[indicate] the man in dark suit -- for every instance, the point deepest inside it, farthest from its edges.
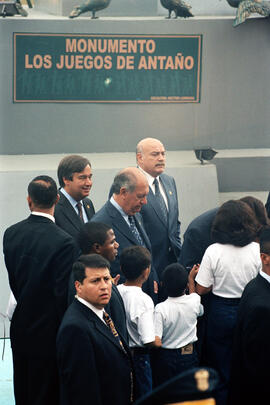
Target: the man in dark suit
(99, 238)
(160, 214)
(121, 213)
(197, 238)
(38, 257)
(267, 205)
(74, 208)
(94, 361)
(249, 382)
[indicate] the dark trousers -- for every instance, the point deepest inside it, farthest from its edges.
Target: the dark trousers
(170, 362)
(143, 371)
(220, 328)
(35, 380)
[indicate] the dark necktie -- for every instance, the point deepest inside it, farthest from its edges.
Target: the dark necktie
(109, 322)
(160, 201)
(134, 230)
(79, 206)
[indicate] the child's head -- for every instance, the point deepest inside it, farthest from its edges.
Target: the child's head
(134, 260)
(175, 279)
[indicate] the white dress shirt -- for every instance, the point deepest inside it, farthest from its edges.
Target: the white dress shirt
(139, 309)
(176, 320)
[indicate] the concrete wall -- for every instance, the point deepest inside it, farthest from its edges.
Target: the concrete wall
(235, 94)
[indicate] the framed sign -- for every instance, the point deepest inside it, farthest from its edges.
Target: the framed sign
(107, 68)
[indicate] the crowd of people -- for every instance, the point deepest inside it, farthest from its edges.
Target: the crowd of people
(108, 306)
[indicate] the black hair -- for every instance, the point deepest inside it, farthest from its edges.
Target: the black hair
(259, 211)
(69, 165)
(134, 260)
(235, 224)
(92, 261)
(265, 240)
(92, 232)
(175, 279)
(43, 191)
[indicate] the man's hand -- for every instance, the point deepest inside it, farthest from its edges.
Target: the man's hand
(155, 287)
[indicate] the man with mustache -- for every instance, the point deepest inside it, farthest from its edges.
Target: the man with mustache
(160, 214)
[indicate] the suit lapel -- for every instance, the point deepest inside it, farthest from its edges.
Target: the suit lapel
(99, 325)
(69, 212)
(170, 197)
(89, 208)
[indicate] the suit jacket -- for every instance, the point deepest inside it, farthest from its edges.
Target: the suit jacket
(67, 218)
(93, 367)
(164, 237)
(109, 215)
(251, 350)
(267, 205)
(38, 257)
(197, 238)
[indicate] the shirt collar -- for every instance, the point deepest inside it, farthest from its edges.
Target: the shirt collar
(98, 312)
(150, 178)
(117, 206)
(70, 199)
(43, 214)
(264, 275)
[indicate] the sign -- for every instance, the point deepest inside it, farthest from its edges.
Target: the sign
(105, 68)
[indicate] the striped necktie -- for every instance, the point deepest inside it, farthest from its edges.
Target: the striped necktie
(79, 206)
(160, 201)
(109, 322)
(134, 230)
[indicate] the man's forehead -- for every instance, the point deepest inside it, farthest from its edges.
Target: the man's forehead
(153, 146)
(110, 234)
(94, 272)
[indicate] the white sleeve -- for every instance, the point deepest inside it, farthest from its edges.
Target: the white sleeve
(158, 320)
(197, 304)
(145, 325)
(205, 276)
(12, 303)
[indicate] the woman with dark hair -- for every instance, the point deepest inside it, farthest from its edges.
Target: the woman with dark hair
(259, 210)
(227, 266)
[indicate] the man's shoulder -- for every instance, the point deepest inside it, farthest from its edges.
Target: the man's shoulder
(105, 212)
(166, 177)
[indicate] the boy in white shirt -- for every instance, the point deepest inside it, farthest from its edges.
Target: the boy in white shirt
(135, 262)
(176, 325)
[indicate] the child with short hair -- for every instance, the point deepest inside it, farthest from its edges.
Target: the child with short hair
(135, 262)
(176, 325)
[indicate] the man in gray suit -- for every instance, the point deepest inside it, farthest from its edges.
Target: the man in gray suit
(122, 214)
(160, 214)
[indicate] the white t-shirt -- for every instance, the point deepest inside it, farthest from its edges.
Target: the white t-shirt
(139, 314)
(176, 320)
(229, 268)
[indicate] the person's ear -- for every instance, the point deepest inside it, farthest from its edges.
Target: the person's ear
(96, 247)
(30, 202)
(57, 198)
(123, 192)
(77, 286)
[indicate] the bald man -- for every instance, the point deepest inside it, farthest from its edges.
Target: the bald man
(129, 194)
(160, 215)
